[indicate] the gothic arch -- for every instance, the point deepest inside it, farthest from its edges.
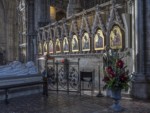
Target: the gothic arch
(62, 33)
(49, 33)
(98, 22)
(74, 28)
(85, 26)
(57, 32)
(114, 19)
(52, 33)
(64, 28)
(46, 34)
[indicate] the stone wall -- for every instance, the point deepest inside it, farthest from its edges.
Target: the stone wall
(141, 83)
(147, 41)
(8, 34)
(90, 64)
(86, 64)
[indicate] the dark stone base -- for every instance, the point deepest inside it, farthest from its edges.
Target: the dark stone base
(141, 87)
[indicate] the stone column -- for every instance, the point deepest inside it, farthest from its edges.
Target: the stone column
(30, 32)
(141, 85)
(146, 35)
(44, 10)
(74, 6)
(147, 44)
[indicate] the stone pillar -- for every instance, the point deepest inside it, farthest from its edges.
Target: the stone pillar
(141, 85)
(146, 35)
(127, 22)
(3, 24)
(30, 30)
(147, 44)
(74, 6)
(44, 10)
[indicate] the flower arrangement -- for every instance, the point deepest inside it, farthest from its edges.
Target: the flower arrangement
(116, 76)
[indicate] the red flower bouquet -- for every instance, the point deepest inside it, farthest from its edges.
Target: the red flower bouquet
(115, 72)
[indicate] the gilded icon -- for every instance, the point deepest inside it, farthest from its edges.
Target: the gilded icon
(65, 45)
(58, 49)
(40, 48)
(85, 42)
(116, 38)
(99, 40)
(75, 46)
(50, 46)
(45, 48)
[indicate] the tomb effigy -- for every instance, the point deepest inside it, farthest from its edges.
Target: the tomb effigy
(16, 68)
(19, 73)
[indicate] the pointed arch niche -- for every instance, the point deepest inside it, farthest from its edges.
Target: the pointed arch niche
(45, 48)
(57, 46)
(99, 40)
(75, 44)
(40, 48)
(116, 37)
(85, 42)
(51, 47)
(65, 45)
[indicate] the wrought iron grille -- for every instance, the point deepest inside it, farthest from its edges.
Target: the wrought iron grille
(63, 76)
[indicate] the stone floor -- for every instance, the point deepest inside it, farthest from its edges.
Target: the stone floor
(63, 103)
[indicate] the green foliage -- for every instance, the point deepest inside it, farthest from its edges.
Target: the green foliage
(116, 76)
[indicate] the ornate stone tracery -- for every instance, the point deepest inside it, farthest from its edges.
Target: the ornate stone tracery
(73, 28)
(43, 35)
(114, 18)
(78, 24)
(85, 26)
(98, 22)
(65, 30)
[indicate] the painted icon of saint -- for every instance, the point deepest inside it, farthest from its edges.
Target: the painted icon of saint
(116, 38)
(58, 46)
(65, 45)
(50, 46)
(45, 48)
(85, 42)
(75, 44)
(99, 42)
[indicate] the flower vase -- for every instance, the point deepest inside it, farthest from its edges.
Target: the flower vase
(116, 95)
